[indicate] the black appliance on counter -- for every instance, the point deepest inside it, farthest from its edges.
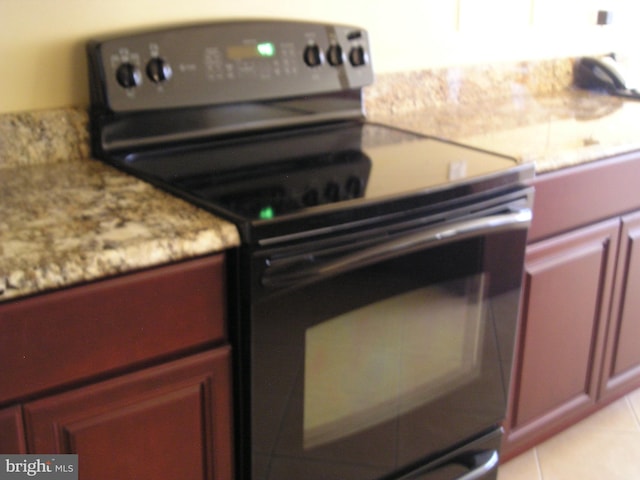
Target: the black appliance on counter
(602, 75)
(375, 293)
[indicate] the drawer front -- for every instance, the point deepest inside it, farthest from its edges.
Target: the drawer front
(71, 335)
(577, 196)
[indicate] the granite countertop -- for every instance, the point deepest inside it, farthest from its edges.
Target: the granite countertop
(553, 131)
(529, 110)
(66, 218)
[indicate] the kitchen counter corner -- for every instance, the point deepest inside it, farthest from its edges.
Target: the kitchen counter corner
(72, 222)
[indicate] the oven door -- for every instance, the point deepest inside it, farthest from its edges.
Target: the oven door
(378, 357)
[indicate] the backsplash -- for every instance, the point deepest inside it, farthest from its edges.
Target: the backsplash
(44, 136)
(397, 93)
(45, 64)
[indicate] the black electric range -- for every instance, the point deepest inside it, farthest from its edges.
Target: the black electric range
(262, 123)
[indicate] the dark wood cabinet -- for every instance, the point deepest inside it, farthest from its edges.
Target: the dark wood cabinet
(171, 421)
(622, 359)
(12, 438)
(566, 295)
(577, 345)
(68, 336)
(131, 373)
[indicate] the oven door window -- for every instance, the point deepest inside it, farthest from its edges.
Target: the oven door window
(373, 364)
(357, 375)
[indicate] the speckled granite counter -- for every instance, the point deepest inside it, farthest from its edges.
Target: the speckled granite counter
(527, 110)
(66, 219)
(553, 131)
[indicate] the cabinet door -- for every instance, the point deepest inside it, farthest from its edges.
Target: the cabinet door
(11, 431)
(622, 359)
(565, 306)
(171, 421)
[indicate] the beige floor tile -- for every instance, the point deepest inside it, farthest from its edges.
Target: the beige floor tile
(605, 446)
(522, 467)
(591, 454)
(616, 417)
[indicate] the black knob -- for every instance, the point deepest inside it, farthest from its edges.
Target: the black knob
(335, 56)
(128, 75)
(357, 56)
(311, 197)
(332, 192)
(159, 70)
(313, 55)
(353, 187)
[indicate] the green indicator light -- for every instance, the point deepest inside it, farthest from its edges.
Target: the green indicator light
(266, 49)
(266, 213)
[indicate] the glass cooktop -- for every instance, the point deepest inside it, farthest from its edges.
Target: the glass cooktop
(267, 176)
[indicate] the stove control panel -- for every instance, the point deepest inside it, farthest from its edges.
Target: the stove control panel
(226, 62)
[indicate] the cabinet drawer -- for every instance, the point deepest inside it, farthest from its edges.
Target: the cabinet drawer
(71, 335)
(578, 196)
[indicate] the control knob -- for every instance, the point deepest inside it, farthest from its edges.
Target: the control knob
(357, 56)
(332, 192)
(159, 70)
(311, 198)
(128, 75)
(334, 55)
(353, 187)
(313, 55)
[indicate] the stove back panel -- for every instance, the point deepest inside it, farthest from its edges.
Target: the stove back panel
(227, 62)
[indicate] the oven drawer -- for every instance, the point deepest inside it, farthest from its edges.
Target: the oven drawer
(68, 336)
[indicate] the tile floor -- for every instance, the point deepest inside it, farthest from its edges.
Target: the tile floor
(604, 446)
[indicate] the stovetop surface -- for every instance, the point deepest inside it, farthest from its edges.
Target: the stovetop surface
(269, 177)
(262, 122)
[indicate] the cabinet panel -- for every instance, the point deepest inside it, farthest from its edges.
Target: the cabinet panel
(574, 197)
(580, 314)
(11, 431)
(565, 304)
(622, 364)
(171, 421)
(70, 335)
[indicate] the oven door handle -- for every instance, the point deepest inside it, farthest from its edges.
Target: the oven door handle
(288, 274)
(479, 465)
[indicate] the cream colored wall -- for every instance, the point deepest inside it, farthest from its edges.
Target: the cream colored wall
(42, 61)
